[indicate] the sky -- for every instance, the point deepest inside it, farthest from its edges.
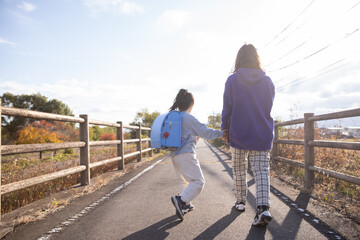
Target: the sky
(112, 58)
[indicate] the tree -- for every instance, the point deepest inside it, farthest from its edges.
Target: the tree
(65, 131)
(214, 121)
(30, 135)
(35, 102)
(145, 118)
(94, 133)
(108, 136)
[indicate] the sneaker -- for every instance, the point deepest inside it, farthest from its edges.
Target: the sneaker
(262, 217)
(239, 206)
(179, 206)
(188, 207)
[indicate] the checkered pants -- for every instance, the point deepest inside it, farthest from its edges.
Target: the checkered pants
(259, 162)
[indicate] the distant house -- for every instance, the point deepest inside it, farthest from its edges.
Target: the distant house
(353, 131)
(335, 130)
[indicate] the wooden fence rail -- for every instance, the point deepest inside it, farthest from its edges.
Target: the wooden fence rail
(309, 143)
(84, 144)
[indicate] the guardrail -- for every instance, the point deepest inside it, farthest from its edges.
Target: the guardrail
(310, 143)
(84, 144)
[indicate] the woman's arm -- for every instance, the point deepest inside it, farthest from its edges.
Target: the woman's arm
(227, 105)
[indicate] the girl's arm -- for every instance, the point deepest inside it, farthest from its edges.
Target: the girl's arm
(227, 106)
(203, 131)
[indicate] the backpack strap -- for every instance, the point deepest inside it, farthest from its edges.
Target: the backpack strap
(185, 141)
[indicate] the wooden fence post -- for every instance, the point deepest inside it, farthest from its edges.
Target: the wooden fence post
(120, 147)
(309, 152)
(275, 149)
(0, 160)
(139, 145)
(151, 151)
(85, 151)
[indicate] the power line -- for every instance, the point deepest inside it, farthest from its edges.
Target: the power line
(290, 23)
(316, 52)
(278, 59)
(296, 29)
(286, 54)
(305, 79)
(354, 6)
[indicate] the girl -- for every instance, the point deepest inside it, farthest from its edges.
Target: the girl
(186, 166)
(248, 99)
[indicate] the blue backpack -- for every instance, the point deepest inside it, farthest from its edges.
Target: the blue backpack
(166, 131)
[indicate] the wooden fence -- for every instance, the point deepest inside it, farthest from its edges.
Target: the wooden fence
(84, 144)
(310, 143)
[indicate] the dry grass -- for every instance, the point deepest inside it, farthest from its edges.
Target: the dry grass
(338, 194)
(24, 166)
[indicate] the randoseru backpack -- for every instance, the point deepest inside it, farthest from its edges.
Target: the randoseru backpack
(166, 131)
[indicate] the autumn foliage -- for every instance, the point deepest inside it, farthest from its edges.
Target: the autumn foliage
(30, 134)
(46, 132)
(108, 136)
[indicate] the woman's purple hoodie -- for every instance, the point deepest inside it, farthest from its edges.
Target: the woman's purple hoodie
(248, 99)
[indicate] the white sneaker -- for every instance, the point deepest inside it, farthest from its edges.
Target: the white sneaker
(239, 206)
(262, 218)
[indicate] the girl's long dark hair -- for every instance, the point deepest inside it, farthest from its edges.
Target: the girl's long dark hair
(247, 57)
(183, 100)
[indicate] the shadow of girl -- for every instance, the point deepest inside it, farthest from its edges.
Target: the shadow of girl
(157, 230)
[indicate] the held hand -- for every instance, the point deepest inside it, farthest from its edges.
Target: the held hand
(225, 135)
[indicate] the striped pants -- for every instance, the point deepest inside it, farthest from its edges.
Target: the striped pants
(260, 165)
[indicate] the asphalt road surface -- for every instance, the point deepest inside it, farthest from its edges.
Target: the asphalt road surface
(143, 210)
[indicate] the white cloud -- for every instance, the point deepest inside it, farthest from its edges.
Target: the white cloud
(3, 41)
(27, 7)
(131, 8)
(104, 101)
(113, 6)
(22, 19)
(173, 20)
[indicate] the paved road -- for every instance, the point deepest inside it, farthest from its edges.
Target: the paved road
(143, 210)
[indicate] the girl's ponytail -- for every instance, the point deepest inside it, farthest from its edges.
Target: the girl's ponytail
(183, 100)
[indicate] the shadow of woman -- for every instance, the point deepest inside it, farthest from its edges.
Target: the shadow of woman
(157, 230)
(256, 233)
(220, 225)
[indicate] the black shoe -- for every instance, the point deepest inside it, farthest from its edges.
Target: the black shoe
(179, 206)
(188, 207)
(262, 217)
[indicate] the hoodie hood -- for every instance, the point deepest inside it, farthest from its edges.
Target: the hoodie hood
(250, 75)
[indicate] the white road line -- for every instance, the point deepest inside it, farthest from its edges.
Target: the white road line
(92, 206)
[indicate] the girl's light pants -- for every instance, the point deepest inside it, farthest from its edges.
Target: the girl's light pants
(188, 170)
(260, 165)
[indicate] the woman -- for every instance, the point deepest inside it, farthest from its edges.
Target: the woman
(246, 120)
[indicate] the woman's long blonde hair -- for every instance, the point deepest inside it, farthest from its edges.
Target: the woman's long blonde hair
(247, 57)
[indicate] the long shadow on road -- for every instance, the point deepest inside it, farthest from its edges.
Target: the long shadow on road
(219, 226)
(295, 216)
(157, 230)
